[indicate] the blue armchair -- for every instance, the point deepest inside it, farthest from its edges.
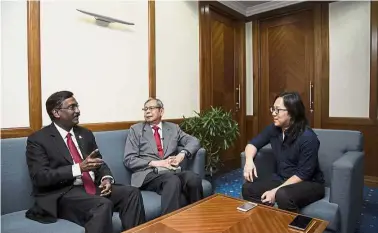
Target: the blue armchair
(341, 158)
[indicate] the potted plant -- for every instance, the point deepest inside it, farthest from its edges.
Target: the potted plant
(217, 132)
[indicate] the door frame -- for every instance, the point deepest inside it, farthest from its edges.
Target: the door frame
(321, 57)
(239, 64)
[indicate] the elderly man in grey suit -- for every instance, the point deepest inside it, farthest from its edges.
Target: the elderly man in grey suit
(154, 144)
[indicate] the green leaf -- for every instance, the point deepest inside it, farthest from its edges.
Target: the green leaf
(216, 130)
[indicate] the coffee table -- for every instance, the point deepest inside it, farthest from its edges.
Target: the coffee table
(218, 213)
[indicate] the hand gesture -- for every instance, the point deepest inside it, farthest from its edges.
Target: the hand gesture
(269, 196)
(91, 162)
(106, 187)
(162, 163)
(176, 160)
(249, 171)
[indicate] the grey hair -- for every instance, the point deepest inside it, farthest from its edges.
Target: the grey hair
(158, 102)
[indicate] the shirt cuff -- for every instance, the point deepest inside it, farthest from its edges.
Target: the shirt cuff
(185, 152)
(108, 177)
(76, 171)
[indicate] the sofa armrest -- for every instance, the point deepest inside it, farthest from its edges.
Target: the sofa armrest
(264, 160)
(347, 183)
(197, 163)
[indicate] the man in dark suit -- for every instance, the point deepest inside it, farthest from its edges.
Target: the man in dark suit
(70, 179)
(155, 144)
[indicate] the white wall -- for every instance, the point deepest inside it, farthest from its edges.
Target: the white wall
(14, 66)
(349, 54)
(105, 67)
(177, 57)
(249, 68)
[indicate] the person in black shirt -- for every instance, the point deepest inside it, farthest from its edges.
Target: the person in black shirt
(298, 181)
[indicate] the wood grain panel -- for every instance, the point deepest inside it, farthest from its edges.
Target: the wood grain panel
(222, 64)
(151, 49)
(34, 75)
(16, 132)
(109, 126)
(249, 121)
(218, 213)
(287, 60)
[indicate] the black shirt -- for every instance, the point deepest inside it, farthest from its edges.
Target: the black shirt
(299, 157)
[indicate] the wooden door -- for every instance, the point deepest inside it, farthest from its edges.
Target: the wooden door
(221, 77)
(287, 61)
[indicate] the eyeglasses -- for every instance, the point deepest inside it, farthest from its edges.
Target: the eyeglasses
(150, 108)
(71, 107)
(276, 110)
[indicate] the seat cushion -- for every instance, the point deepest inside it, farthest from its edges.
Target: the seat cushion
(16, 222)
(152, 209)
(207, 188)
(325, 210)
(152, 204)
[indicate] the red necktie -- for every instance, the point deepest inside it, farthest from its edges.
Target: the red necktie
(158, 140)
(89, 186)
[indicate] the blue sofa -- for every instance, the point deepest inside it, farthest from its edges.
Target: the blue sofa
(341, 159)
(16, 185)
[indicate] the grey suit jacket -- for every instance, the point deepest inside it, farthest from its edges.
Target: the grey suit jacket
(140, 148)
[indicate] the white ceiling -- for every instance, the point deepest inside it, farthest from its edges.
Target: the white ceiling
(249, 8)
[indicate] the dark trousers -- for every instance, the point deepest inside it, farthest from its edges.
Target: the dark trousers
(94, 212)
(173, 187)
(290, 197)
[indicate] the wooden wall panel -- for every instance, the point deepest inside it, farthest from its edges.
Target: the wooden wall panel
(151, 49)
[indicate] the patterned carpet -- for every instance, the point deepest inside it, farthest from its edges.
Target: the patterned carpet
(230, 184)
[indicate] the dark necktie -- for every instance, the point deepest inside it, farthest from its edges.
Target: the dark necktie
(89, 186)
(158, 140)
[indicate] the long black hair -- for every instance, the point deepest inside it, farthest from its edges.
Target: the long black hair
(297, 112)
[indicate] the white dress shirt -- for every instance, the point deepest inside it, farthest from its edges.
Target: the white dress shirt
(76, 171)
(160, 132)
(161, 135)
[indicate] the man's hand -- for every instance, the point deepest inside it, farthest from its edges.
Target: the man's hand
(249, 171)
(269, 196)
(176, 160)
(162, 163)
(106, 187)
(91, 163)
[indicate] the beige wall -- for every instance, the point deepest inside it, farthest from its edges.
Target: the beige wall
(349, 58)
(14, 65)
(249, 68)
(106, 67)
(177, 57)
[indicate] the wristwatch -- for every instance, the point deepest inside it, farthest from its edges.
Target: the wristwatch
(186, 153)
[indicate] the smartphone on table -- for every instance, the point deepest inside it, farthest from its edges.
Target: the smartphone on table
(247, 206)
(301, 223)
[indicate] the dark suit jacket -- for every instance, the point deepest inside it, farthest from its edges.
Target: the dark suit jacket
(50, 165)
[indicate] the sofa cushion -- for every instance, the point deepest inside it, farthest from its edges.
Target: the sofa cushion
(333, 144)
(207, 188)
(325, 210)
(17, 222)
(15, 180)
(112, 145)
(152, 204)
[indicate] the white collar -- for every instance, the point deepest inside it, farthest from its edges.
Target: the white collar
(63, 132)
(158, 125)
